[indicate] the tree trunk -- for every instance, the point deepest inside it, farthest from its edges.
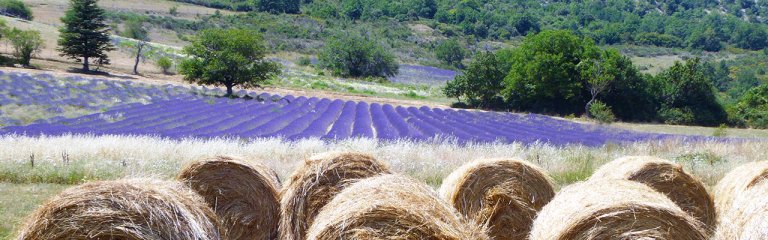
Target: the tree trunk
(229, 90)
(586, 108)
(85, 64)
(138, 55)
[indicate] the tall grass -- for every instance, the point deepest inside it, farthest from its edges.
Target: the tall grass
(76, 159)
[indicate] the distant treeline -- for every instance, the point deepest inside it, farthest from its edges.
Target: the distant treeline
(703, 25)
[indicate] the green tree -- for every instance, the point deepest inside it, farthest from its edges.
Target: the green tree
(450, 52)
(229, 58)
(353, 9)
(134, 29)
(165, 64)
(687, 95)
(597, 74)
(752, 108)
(26, 43)
(15, 8)
(481, 82)
(353, 55)
(543, 76)
(85, 36)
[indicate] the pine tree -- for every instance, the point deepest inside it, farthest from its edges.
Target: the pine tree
(85, 36)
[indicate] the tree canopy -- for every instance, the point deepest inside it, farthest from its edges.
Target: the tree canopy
(229, 58)
(85, 36)
(353, 55)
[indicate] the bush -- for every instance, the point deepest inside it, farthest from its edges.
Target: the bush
(357, 56)
(752, 108)
(601, 112)
(15, 8)
(460, 105)
(165, 64)
(677, 116)
(450, 53)
(304, 61)
(26, 43)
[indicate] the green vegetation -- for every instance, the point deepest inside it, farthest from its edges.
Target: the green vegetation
(26, 43)
(85, 36)
(450, 53)
(15, 8)
(752, 108)
(165, 64)
(558, 72)
(272, 6)
(481, 82)
(228, 58)
(353, 55)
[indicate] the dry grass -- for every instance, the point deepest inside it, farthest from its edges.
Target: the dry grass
(746, 219)
(391, 207)
(314, 183)
(502, 194)
(244, 196)
(665, 177)
(614, 209)
(111, 157)
(123, 209)
(738, 180)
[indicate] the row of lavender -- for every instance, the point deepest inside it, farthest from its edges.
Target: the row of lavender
(179, 112)
(87, 96)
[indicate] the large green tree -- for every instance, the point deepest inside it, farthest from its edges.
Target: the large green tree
(85, 36)
(543, 75)
(687, 96)
(229, 58)
(353, 55)
(752, 108)
(450, 52)
(480, 82)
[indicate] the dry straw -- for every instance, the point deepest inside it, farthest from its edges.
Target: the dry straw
(316, 182)
(124, 209)
(502, 194)
(244, 196)
(391, 207)
(614, 209)
(737, 181)
(665, 177)
(747, 219)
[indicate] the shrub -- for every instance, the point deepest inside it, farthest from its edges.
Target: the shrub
(357, 56)
(304, 61)
(15, 8)
(26, 43)
(450, 52)
(165, 64)
(601, 112)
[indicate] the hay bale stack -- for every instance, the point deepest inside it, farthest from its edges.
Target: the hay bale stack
(391, 207)
(614, 209)
(244, 196)
(316, 182)
(738, 180)
(665, 177)
(748, 216)
(502, 194)
(124, 209)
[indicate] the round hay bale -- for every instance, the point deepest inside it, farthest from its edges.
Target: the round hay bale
(502, 194)
(244, 196)
(748, 216)
(391, 207)
(124, 209)
(614, 209)
(665, 177)
(737, 181)
(316, 182)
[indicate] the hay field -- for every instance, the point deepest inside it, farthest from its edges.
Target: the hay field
(68, 160)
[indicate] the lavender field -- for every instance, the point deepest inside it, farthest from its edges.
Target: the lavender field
(176, 112)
